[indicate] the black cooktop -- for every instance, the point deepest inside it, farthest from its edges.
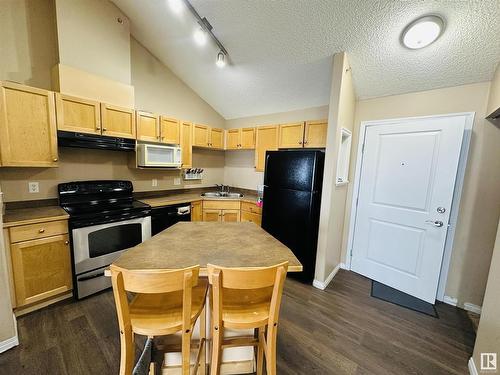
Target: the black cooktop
(99, 201)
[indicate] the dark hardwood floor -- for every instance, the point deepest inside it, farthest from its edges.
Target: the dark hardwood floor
(341, 330)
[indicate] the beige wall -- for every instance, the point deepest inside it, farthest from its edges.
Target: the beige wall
(28, 41)
(488, 333)
(159, 90)
(90, 38)
(494, 98)
(239, 169)
(333, 199)
(479, 208)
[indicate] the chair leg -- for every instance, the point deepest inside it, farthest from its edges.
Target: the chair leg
(217, 337)
(203, 336)
(272, 333)
(260, 352)
(127, 351)
(186, 352)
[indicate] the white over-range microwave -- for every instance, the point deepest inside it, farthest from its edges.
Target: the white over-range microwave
(158, 156)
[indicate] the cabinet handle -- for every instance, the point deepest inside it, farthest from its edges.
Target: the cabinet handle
(305, 142)
(41, 230)
(104, 129)
(97, 128)
(300, 142)
(55, 159)
(66, 242)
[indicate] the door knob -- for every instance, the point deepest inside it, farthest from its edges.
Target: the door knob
(436, 223)
(441, 210)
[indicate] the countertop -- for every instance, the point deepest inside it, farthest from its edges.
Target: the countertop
(191, 197)
(33, 215)
(185, 244)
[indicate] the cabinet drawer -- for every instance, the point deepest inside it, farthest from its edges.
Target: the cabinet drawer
(41, 230)
(221, 205)
(251, 207)
(249, 216)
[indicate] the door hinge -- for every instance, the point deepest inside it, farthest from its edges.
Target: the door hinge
(357, 201)
(363, 149)
(350, 254)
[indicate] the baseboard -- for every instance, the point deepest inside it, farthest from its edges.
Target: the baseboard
(323, 284)
(472, 367)
(472, 308)
(450, 301)
(9, 343)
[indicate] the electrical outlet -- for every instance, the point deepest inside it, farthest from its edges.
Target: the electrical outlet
(33, 187)
(154, 182)
(177, 181)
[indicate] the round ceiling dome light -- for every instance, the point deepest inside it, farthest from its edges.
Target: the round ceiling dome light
(422, 32)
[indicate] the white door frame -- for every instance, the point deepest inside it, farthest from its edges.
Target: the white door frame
(462, 163)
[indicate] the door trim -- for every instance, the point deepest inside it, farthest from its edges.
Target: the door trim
(457, 193)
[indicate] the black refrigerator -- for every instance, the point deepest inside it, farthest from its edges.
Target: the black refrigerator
(292, 199)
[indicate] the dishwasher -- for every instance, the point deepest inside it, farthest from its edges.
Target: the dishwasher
(166, 216)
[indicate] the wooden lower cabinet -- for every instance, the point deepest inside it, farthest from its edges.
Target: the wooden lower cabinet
(41, 268)
(230, 215)
(212, 215)
(250, 216)
(196, 211)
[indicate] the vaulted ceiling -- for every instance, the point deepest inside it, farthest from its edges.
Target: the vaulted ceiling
(281, 50)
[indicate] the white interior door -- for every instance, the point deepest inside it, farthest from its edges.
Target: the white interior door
(405, 193)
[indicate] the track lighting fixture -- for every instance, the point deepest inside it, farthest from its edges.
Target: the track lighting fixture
(221, 59)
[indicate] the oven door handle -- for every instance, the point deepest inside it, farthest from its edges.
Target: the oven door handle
(95, 276)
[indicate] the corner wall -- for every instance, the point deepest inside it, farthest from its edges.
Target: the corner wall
(333, 201)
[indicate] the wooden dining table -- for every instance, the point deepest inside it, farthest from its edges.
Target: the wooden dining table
(185, 244)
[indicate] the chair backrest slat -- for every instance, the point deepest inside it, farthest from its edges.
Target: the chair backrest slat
(247, 278)
(156, 281)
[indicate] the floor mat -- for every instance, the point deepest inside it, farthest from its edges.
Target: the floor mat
(388, 294)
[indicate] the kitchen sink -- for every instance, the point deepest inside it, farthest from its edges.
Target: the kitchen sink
(218, 194)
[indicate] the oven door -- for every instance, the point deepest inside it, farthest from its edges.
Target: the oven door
(99, 245)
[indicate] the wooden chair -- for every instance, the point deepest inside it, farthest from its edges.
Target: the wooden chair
(165, 302)
(246, 298)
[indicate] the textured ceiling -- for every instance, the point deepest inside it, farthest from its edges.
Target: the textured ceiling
(281, 50)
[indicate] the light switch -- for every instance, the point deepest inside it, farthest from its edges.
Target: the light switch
(177, 181)
(33, 187)
(154, 182)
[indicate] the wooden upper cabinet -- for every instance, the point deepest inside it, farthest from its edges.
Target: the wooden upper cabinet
(28, 131)
(291, 135)
(170, 130)
(266, 140)
(41, 268)
(233, 137)
(77, 114)
(187, 144)
(148, 126)
(200, 135)
(240, 139)
(117, 121)
(216, 138)
(315, 134)
(247, 141)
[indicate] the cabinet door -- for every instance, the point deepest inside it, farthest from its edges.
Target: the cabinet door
(247, 141)
(196, 211)
(117, 121)
(216, 138)
(77, 114)
(233, 139)
(187, 144)
(170, 130)
(200, 135)
(212, 215)
(291, 135)
(41, 268)
(266, 140)
(28, 132)
(315, 134)
(148, 128)
(249, 216)
(231, 215)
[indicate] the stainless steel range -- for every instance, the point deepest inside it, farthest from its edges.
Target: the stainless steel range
(105, 220)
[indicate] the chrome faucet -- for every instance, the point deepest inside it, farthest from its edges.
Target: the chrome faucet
(224, 189)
